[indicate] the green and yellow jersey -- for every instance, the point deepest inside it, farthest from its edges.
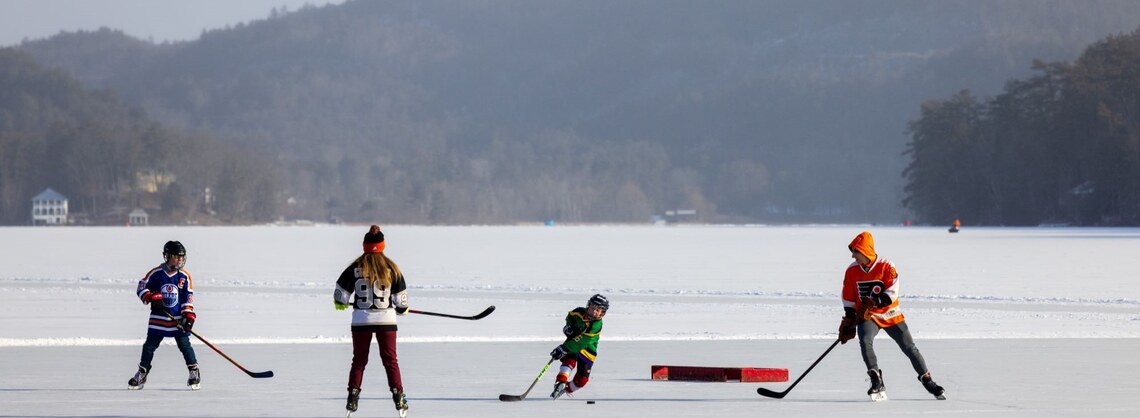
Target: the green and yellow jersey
(582, 333)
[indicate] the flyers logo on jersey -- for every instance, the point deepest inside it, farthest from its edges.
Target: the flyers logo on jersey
(870, 288)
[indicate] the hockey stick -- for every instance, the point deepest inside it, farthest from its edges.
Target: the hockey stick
(515, 398)
(481, 315)
(780, 395)
(251, 374)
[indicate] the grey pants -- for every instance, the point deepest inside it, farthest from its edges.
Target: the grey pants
(900, 333)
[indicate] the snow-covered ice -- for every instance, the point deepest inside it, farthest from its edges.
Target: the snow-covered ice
(1032, 322)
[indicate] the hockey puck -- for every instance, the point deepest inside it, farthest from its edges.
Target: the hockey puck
(589, 402)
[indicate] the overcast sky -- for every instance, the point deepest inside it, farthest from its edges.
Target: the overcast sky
(159, 20)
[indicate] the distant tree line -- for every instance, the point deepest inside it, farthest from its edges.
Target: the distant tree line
(1062, 146)
(503, 111)
(99, 153)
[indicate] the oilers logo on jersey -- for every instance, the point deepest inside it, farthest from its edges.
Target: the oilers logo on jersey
(169, 295)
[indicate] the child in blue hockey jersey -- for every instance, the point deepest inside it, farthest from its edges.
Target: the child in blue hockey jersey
(169, 291)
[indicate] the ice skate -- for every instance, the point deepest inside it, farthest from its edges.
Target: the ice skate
(195, 379)
(353, 400)
(401, 402)
(933, 388)
(139, 380)
(878, 391)
(559, 390)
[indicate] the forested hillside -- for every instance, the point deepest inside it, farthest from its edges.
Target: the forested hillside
(508, 110)
(109, 158)
(1062, 146)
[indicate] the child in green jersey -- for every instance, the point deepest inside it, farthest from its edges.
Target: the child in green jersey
(583, 329)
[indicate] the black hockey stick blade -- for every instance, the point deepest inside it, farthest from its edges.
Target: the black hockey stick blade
(781, 395)
(260, 375)
(510, 398)
(772, 393)
(480, 315)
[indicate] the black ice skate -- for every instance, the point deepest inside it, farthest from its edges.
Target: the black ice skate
(933, 388)
(878, 391)
(139, 380)
(401, 402)
(559, 390)
(353, 400)
(195, 379)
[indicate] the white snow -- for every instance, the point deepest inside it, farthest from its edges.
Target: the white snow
(1021, 322)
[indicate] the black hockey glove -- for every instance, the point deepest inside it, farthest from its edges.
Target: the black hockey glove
(881, 299)
(863, 313)
(559, 352)
(847, 329)
(188, 321)
(571, 331)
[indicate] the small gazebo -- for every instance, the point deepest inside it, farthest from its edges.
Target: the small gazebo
(138, 217)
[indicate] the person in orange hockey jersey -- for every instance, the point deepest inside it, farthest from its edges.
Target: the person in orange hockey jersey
(871, 303)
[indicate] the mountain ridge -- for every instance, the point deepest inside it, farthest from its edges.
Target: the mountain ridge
(437, 111)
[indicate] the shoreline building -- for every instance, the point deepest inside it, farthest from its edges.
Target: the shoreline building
(49, 208)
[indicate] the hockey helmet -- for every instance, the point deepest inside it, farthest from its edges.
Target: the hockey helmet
(173, 248)
(599, 301)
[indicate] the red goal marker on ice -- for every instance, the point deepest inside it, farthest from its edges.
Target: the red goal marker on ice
(718, 374)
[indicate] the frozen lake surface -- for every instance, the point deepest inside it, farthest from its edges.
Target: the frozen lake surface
(1013, 321)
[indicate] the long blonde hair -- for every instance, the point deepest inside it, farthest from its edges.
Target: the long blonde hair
(378, 269)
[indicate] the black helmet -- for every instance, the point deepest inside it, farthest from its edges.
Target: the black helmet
(599, 301)
(173, 248)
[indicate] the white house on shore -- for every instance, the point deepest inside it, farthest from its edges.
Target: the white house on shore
(49, 208)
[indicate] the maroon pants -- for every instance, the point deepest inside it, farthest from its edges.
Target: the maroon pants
(386, 340)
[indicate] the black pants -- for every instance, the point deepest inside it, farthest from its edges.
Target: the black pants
(152, 343)
(900, 333)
